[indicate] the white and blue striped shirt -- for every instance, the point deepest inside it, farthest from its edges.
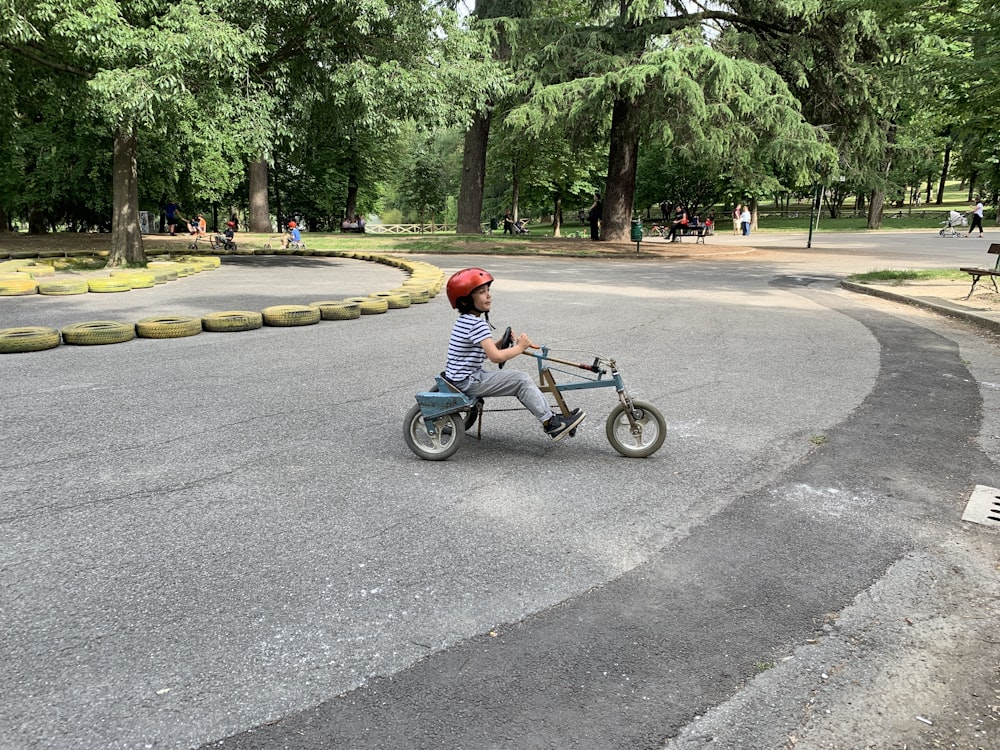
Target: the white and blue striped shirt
(465, 351)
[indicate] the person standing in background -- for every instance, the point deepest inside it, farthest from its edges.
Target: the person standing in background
(977, 218)
(170, 210)
(594, 216)
(736, 219)
(745, 221)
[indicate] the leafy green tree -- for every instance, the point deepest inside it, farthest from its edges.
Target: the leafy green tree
(360, 69)
(636, 69)
(145, 64)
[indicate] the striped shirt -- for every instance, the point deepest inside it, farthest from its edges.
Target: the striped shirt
(465, 351)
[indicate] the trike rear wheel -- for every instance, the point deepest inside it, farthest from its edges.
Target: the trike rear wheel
(449, 431)
(645, 441)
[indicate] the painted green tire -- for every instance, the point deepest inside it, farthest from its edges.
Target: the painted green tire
(28, 339)
(232, 320)
(291, 315)
(110, 284)
(98, 332)
(168, 327)
(337, 310)
(63, 287)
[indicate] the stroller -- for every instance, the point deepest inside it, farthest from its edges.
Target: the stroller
(949, 228)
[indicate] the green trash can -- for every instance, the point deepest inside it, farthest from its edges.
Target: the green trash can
(637, 229)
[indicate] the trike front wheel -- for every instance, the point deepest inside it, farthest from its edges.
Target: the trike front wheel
(449, 431)
(643, 441)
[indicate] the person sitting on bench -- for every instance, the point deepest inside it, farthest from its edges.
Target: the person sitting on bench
(680, 221)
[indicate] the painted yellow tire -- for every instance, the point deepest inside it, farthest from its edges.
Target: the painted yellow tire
(63, 286)
(395, 300)
(138, 279)
(291, 315)
(18, 287)
(418, 295)
(338, 310)
(28, 339)
(37, 271)
(201, 262)
(168, 327)
(110, 284)
(15, 276)
(370, 306)
(98, 332)
(232, 320)
(163, 275)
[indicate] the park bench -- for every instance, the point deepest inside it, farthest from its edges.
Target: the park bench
(990, 273)
(701, 231)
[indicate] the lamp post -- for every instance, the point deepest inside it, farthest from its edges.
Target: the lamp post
(813, 212)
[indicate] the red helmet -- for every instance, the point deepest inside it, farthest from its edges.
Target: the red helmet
(230, 223)
(292, 225)
(463, 282)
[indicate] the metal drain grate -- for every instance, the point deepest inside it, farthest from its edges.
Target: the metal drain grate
(983, 506)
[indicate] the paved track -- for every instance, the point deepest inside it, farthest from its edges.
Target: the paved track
(200, 536)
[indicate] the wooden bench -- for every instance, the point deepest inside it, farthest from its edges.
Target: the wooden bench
(701, 231)
(990, 273)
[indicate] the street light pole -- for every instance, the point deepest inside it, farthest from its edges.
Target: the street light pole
(813, 213)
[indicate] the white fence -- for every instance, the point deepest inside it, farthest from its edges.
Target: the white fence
(409, 228)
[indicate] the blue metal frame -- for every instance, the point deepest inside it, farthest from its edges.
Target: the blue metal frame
(444, 401)
(584, 382)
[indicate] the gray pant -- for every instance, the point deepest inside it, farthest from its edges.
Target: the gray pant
(487, 383)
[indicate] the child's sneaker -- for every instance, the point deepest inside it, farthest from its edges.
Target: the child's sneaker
(557, 427)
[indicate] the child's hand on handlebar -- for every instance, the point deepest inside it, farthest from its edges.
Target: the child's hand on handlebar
(524, 342)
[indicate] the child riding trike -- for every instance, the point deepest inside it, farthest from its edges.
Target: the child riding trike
(434, 428)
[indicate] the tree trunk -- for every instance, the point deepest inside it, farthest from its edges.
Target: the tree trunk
(470, 194)
(515, 189)
(557, 215)
(126, 236)
(944, 175)
(351, 208)
(623, 151)
(260, 212)
(876, 207)
(36, 220)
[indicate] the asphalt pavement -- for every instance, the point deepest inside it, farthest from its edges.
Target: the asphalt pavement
(223, 541)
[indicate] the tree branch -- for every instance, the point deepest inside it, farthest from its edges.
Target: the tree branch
(37, 54)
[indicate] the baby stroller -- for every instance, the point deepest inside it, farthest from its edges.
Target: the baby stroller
(521, 226)
(949, 228)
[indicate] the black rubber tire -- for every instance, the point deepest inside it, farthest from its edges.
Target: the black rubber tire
(28, 339)
(654, 430)
(98, 332)
(440, 447)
